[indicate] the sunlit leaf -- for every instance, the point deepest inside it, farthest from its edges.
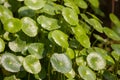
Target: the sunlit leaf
(78, 30)
(61, 63)
(30, 27)
(2, 45)
(70, 53)
(96, 25)
(51, 8)
(94, 3)
(80, 61)
(70, 74)
(35, 4)
(114, 19)
(86, 73)
(71, 4)
(2, 1)
(48, 23)
(111, 34)
(84, 40)
(81, 3)
(86, 19)
(5, 13)
(10, 62)
(13, 25)
(70, 16)
(17, 45)
(59, 38)
(31, 64)
(96, 61)
(36, 49)
(98, 37)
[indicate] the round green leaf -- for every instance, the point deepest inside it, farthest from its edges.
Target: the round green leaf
(81, 3)
(59, 38)
(86, 73)
(78, 30)
(96, 25)
(13, 25)
(2, 45)
(10, 62)
(17, 45)
(25, 11)
(70, 16)
(71, 4)
(35, 4)
(48, 23)
(111, 34)
(61, 63)
(96, 61)
(5, 14)
(104, 54)
(36, 49)
(84, 40)
(30, 27)
(31, 64)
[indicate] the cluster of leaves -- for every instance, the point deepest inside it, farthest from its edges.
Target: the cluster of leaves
(52, 40)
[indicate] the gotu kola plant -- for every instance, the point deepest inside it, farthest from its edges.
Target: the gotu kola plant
(55, 40)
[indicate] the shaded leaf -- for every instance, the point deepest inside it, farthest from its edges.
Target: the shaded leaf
(25, 11)
(116, 48)
(94, 3)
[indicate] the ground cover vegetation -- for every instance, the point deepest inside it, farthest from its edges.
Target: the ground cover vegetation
(58, 40)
